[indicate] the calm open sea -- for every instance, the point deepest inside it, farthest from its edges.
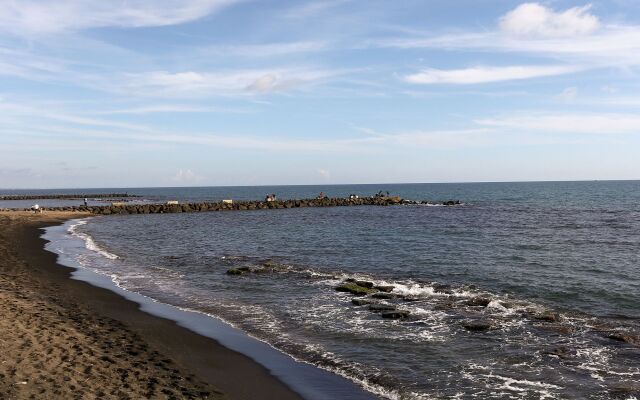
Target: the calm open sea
(482, 282)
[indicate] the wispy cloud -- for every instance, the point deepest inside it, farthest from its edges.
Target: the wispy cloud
(265, 49)
(173, 108)
(486, 74)
(45, 17)
(221, 83)
(585, 123)
(313, 8)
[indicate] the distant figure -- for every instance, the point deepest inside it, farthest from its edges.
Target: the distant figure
(86, 202)
(273, 196)
(36, 209)
(353, 197)
(321, 195)
(268, 198)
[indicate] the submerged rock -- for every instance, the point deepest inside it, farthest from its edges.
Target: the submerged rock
(623, 337)
(234, 271)
(548, 316)
(395, 314)
(381, 307)
(625, 390)
(477, 326)
(479, 302)
(360, 302)
(385, 288)
(367, 284)
(383, 295)
(560, 352)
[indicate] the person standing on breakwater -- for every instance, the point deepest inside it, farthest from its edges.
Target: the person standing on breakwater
(321, 195)
(85, 202)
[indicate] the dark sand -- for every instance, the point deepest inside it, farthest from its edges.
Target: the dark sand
(63, 338)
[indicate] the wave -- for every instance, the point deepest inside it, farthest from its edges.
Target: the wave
(89, 243)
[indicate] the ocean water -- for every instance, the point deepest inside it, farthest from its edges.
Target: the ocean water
(516, 294)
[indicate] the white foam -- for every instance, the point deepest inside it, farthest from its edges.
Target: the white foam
(89, 243)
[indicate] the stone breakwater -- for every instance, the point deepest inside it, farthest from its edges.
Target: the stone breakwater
(244, 205)
(68, 196)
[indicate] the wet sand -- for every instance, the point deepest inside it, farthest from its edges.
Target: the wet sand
(63, 338)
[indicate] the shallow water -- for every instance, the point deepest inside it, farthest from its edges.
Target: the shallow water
(530, 249)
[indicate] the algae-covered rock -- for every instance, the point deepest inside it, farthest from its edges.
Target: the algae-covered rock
(234, 271)
(355, 289)
(366, 284)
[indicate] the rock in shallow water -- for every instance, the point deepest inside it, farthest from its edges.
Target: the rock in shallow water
(383, 295)
(381, 307)
(548, 316)
(396, 314)
(385, 288)
(234, 271)
(477, 326)
(360, 302)
(623, 337)
(479, 302)
(355, 289)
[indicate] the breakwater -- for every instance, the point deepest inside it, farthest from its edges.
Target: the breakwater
(68, 196)
(226, 205)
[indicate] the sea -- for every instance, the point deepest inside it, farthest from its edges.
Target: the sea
(523, 291)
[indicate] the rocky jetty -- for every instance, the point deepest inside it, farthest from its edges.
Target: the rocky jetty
(67, 196)
(172, 207)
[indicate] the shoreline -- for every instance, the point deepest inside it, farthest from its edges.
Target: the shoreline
(67, 338)
(309, 381)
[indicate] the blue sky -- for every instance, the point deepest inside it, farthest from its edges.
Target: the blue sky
(241, 92)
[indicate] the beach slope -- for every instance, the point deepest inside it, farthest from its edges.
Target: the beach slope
(63, 338)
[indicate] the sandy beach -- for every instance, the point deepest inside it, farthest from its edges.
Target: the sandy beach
(63, 338)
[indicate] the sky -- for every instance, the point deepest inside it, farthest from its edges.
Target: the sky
(131, 93)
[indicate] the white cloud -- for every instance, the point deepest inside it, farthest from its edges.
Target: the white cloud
(44, 17)
(486, 74)
(187, 176)
(324, 174)
(536, 19)
(263, 84)
(599, 124)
